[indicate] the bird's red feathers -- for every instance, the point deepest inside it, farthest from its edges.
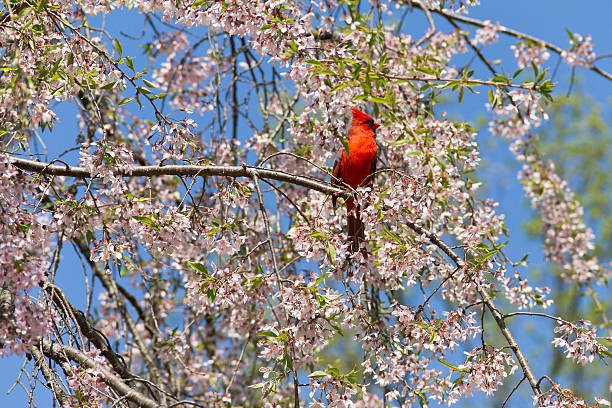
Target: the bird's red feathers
(355, 167)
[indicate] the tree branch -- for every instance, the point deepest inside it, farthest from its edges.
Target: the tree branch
(93, 335)
(62, 352)
(50, 376)
(497, 316)
(508, 31)
(183, 170)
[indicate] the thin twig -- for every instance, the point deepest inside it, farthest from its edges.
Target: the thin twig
(558, 319)
(276, 271)
(512, 392)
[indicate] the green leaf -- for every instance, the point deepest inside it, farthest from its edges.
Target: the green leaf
(491, 96)
(317, 234)
(109, 85)
(535, 69)
(345, 145)
(198, 3)
(129, 62)
(318, 280)
(392, 235)
(125, 101)
(118, 47)
(268, 333)
(89, 236)
(149, 83)
(340, 86)
(517, 73)
(314, 62)
(500, 79)
(211, 293)
(147, 221)
(489, 254)
(425, 70)
(253, 283)
(317, 374)
(143, 90)
(449, 84)
(449, 365)
(199, 267)
(258, 385)
(331, 251)
(377, 99)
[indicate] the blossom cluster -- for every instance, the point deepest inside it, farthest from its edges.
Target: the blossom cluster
(486, 368)
(559, 397)
(568, 240)
(405, 365)
(487, 34)
(579, 341)
(581, 51)
(527, 53)
(89, 384)
(25, 243)
(521, 114)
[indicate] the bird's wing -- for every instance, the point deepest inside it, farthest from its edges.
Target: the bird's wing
(370, 178)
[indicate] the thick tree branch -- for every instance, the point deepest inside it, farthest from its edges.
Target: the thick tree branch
(183, 170)
(62, 352)
(50, 376)
(93, 335)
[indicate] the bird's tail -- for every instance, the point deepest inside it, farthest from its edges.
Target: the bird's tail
(355, 225)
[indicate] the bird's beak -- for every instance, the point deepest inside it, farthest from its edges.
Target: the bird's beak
(376, 125)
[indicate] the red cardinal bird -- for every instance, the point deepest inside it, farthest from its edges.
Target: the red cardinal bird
(355, 167)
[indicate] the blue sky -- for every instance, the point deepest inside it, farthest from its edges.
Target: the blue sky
(546, 19)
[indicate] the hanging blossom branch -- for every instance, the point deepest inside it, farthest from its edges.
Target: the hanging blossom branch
(50, 375)
(121, 300)
(140, 90)
(514, 33)
(568, 247)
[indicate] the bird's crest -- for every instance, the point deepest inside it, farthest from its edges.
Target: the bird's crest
(360, 118)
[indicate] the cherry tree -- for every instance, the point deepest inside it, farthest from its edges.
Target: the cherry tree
(194, 191)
